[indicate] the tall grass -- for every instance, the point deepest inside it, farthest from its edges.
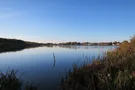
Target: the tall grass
(10, 81)
(114, 71)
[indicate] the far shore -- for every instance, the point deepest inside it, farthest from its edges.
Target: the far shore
(9, 45)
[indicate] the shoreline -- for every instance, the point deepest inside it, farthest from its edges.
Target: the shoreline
(114, 71)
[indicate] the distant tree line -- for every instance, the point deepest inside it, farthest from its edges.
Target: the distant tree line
(15, 44)
(91, 44)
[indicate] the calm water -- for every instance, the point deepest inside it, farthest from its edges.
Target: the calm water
(38, 63)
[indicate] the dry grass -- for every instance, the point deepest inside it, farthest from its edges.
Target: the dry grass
(9, 81)
(115, 71)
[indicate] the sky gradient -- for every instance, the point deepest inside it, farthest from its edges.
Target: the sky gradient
(67, 20)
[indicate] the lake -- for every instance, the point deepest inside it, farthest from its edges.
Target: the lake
(39, 66)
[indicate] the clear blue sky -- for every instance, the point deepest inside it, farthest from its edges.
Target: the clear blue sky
(67, 20)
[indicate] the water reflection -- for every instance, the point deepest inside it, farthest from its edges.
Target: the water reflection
(54, 60)
(40, 63)
(84, 47)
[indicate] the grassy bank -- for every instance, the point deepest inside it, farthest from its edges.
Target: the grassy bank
(114, 71)
(9, 81)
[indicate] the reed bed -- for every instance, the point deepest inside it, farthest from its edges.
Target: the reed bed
(114, 71)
